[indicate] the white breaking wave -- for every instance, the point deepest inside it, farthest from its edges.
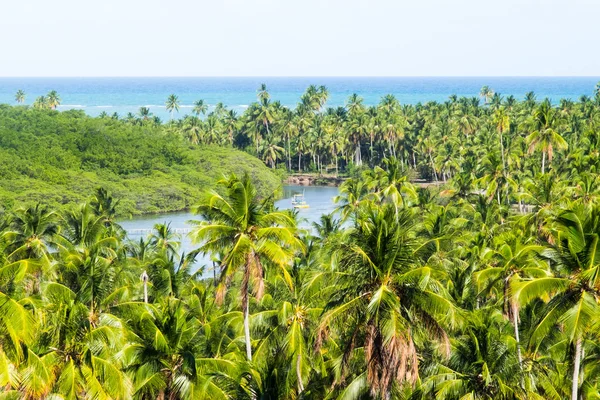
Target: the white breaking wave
(104, 106)
(72, 105)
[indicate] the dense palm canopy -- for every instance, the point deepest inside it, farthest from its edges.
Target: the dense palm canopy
(482, 286)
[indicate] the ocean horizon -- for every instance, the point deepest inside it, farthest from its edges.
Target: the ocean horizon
(123, 95)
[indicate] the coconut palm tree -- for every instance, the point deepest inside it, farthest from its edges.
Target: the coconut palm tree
(200, 108)
(41, 103)
(486, 93)
(172, 104)
(20, 96)
(545, 137)
(571, 293)
(511, 261)
(144, 113)
(30, 232)
(263, 94)
(249, 235)
(378, 304)
(272, 153)
(482, 366)
(53, 99)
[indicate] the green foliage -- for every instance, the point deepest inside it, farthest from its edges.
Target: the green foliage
(59, 158)
(485, 287)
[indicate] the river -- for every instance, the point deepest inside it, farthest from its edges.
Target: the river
(320, 199)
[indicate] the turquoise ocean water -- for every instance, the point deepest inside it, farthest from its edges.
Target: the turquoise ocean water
(123, 95)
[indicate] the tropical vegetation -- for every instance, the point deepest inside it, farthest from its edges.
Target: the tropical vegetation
(60, 157)
(485, 285)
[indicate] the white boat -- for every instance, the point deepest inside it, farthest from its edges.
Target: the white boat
(298, 201)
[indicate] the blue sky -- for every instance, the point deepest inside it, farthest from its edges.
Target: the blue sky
(299, 38)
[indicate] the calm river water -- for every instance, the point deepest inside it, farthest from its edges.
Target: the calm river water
(320, 199)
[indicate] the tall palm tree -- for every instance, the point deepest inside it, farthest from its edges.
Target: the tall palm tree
(511, 261)
(53, 99)
(379, 305)
(172, 104)
(572, 291)
(31, 232)
(502, 123)
(272, 153)
(486, 93)
(249, 235)
(263, 94)
(200, 108)
(545, 137)
(20, 96)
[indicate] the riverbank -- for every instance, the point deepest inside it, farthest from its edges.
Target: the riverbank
(313, 180)
(332, 180)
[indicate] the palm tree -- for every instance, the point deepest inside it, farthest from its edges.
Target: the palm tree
(172, 104)
(486, 93)
(511, 261)
(272, 153)
(20, 96)
(392, 184)
(230, 125)
(263, 94)
(40, 103)
(544, 136)
(572, 290)
(76, 355)
(482, 365)
(249, 235)
(164, 239)
(53, 99)
(144, 113)
(502, 123)
(164, 340)
(354, 193)
(200, 108)
(378, 304)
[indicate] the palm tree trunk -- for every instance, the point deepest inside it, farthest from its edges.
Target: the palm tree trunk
(371, 160)
(336, 166)
(576, 366)
(145, 290)
(246, 307)
(289, 154)
(299, 162)
(515, 313)
(432, 167)
(320, 164)
(299, 375)
(543, 161)
(520, 205)
(247, 330)
(502, 154)
(358, 155)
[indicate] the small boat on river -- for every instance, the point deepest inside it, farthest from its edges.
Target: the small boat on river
(299, 202)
